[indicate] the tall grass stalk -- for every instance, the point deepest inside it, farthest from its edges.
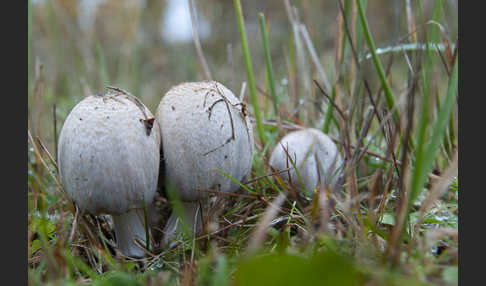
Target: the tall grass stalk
(390, 100)
(105, 77)
(329, 113)
(422, 125)
(424, 163)
(437, 15)
(249, 71)
(268, 62)
(359, 29)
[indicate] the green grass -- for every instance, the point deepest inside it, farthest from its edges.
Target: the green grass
(268, 62)
(384, 240)
(249, 71)
(390, 99)
(431, 148)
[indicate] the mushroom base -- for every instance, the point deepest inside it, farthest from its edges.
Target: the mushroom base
(191, 222)
(130, 226)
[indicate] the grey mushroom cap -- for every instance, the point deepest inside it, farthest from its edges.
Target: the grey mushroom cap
(108, 162)
(204, 127)
(315, 155)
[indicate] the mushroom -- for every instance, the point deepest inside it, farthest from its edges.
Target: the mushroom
(108, 157)
(313, 153)
(205, 129)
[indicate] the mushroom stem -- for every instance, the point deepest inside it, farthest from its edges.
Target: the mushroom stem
(192, 221)
(130, 226)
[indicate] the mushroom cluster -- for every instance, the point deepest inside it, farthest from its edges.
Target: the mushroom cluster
(205, 129)
(314, 154)
(108, 158)
(110, 146)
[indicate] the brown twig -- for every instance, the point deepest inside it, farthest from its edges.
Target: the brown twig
(269, 175)
(343, 117)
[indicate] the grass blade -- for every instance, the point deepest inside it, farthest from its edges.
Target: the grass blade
(249, 71)
(268, 61)
(359, 29)
(102, 64)
(390, 100)
(236, 181)
(425, 163)
(329, 113)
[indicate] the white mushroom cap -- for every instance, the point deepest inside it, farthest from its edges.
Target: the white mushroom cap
(109, 159)
(197, 137)
(204, 127)
(311, 150)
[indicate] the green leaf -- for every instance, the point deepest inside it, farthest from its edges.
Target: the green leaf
(45, 226)
(36, 245)
(325, 268)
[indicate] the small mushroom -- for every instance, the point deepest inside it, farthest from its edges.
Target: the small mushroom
(313, 153)
(108, 159)
(204, 128)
